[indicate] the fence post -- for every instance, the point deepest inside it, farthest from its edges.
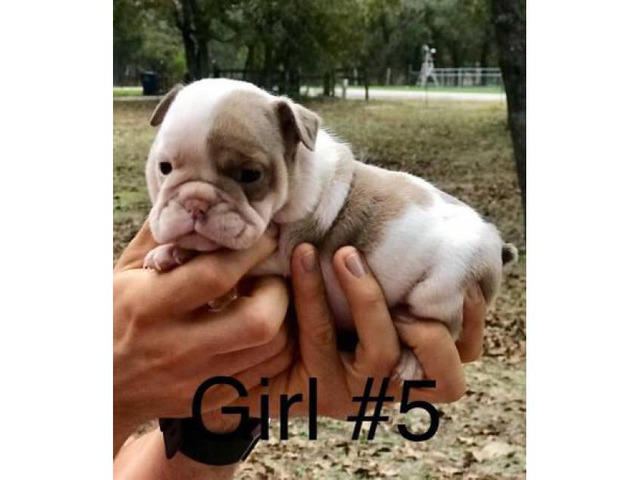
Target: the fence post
(333, 82)
(366, 84)
(326, 87)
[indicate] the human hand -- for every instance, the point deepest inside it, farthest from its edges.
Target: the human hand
(166, 342)
(342, 375)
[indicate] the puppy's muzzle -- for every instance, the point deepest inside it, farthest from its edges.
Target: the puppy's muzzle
(197, 208)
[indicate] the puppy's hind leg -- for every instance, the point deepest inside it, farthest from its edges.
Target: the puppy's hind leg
(408, 368)
(439, 297)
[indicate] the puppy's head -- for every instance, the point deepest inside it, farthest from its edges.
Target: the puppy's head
(223, 162)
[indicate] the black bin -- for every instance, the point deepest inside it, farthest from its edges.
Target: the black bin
(150, 83)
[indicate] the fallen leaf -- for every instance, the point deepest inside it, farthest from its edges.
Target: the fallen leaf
(492, 450)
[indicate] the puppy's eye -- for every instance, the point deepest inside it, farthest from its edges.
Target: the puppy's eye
(248, 175)
(165, 168)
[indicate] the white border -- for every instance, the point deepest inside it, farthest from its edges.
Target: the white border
(55, 350)
(56, 171)
(583, 239)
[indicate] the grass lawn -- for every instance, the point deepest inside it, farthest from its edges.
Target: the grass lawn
(463, 148)
(137, 91)
(127, 91)
(434, 88)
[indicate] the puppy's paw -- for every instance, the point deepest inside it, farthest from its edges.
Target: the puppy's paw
(408, 368)
(165, 257)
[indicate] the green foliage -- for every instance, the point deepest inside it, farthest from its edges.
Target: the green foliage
(463, 32)
(161, 50)
(178, 36)
(127, 40)
(145, 39)
(304, 33)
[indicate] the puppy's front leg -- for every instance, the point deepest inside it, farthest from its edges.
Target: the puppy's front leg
(166, 257)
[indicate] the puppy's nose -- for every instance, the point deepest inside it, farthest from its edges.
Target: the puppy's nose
(196, 207)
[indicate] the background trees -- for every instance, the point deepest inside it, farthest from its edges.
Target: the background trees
(300, 35)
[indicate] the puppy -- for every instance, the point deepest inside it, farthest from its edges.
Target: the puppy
(230, 159)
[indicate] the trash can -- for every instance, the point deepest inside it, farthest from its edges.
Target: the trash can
(150, 83)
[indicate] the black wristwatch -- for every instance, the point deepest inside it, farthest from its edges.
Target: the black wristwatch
(187, 437)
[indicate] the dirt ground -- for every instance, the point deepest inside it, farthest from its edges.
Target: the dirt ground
(464, 149)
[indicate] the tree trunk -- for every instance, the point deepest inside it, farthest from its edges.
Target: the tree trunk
(484, 52)
(191, 56)
(202, 69)
(248, 65)
(202, 35)
(183, 19)
(509, 20)
(195, 34)
(267, 68)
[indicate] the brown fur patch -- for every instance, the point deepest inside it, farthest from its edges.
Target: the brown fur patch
(161, 109)
(375, 198)
(245, 134)
(298, 124)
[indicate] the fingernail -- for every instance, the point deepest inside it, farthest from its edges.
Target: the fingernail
(402, 315)
(403, 319)
(309, 261)
(354, 264)
(474, 294)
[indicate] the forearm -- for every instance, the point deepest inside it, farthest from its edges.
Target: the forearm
(144, 458)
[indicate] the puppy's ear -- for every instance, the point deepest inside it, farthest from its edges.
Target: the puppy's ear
(298, 124)
(161, 110)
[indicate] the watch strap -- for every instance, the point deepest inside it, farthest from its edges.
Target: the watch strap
(185, 436)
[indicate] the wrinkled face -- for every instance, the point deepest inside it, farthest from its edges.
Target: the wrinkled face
(219, 167)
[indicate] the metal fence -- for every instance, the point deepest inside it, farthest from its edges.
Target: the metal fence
(445, 77)
(327, 82)
(467, 77)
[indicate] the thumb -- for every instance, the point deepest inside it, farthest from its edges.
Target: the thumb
(379, 348)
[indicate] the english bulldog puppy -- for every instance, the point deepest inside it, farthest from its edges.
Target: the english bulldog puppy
(230, 159)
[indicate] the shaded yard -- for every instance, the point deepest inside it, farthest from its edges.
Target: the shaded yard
(464, 149)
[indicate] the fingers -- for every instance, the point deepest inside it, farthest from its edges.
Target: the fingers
(434, 347)
(205, 278)
(470, 342)
(250, 378)
(247, 322)
(317, 330)
(378, 349)
(133, 256)
(233, 362)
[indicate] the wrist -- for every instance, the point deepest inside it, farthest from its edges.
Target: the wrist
(124, 424)
(218, 422)
(145, 459)
(219, 442)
